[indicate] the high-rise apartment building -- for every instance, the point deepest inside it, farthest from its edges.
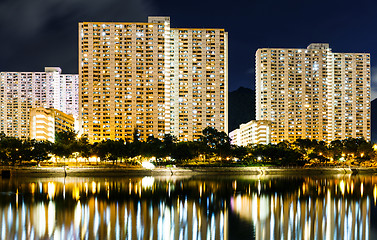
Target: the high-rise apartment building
(151, 78)
(22, 91)
(65, 91)
(313, 93)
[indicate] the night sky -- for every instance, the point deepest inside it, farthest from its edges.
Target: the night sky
(39, 33)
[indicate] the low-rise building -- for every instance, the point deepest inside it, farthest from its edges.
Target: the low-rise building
(253, 132)
(45, 122)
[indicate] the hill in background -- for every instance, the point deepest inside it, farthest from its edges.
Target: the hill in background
(241, 107)
(373, 123)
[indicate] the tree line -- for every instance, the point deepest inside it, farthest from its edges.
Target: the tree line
(213, 147)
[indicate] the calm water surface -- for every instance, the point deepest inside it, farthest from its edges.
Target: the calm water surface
(238, 207)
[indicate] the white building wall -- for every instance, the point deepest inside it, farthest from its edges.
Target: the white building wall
(253, 132)
(22, 91)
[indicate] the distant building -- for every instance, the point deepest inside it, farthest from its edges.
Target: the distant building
(253, 132)
(66, 91)
(313, 93)
(152, 78)
(44, 123)
(22, 91)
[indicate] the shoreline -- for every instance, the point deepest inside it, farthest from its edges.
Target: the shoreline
(178, 171)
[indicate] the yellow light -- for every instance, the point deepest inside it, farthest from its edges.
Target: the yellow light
(76, 193)
(341, 186)
(94, 187)
(51, 190)
(32, 188)
(86, 188)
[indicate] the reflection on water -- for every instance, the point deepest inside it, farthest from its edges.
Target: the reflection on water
(188, 208)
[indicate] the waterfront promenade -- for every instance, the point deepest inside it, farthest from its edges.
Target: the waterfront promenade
(118, 171)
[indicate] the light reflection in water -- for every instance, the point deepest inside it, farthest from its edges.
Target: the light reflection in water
(187, 208)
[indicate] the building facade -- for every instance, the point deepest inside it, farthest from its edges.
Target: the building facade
(45, 122)
(151, 78)
(313, 93)
(253, 132)
(22, 91)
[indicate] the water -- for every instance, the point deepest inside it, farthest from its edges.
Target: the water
(231, 207)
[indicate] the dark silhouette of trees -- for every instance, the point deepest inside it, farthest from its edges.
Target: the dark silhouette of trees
(213, 146)
(279, 154)
(215, 143)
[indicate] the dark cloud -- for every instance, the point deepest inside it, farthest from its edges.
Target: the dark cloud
(36, 33)
(44, 33)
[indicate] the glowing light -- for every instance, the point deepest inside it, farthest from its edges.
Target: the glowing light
(40, 219)
(76, 193)
(32, 188)
(51, 217)
(375, 147)
(94, 189)
(147, 182)
(341, 186)
(77, 215)
(315, 67)
(86, 188)
(147, 165)
(51, 190)
(93, 159)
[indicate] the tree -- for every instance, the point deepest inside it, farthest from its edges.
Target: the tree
(215, 142)
(336, 149)
(11, 149)
(182, 151)
(169, 142)
(84, 147)
(152, 147)
(279, 155)
(110, 150)
(40, 150)
(239, 152)
(65, 143)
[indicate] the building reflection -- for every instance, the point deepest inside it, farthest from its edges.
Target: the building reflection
(119, 209)
(319, 209)
(186, 208)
